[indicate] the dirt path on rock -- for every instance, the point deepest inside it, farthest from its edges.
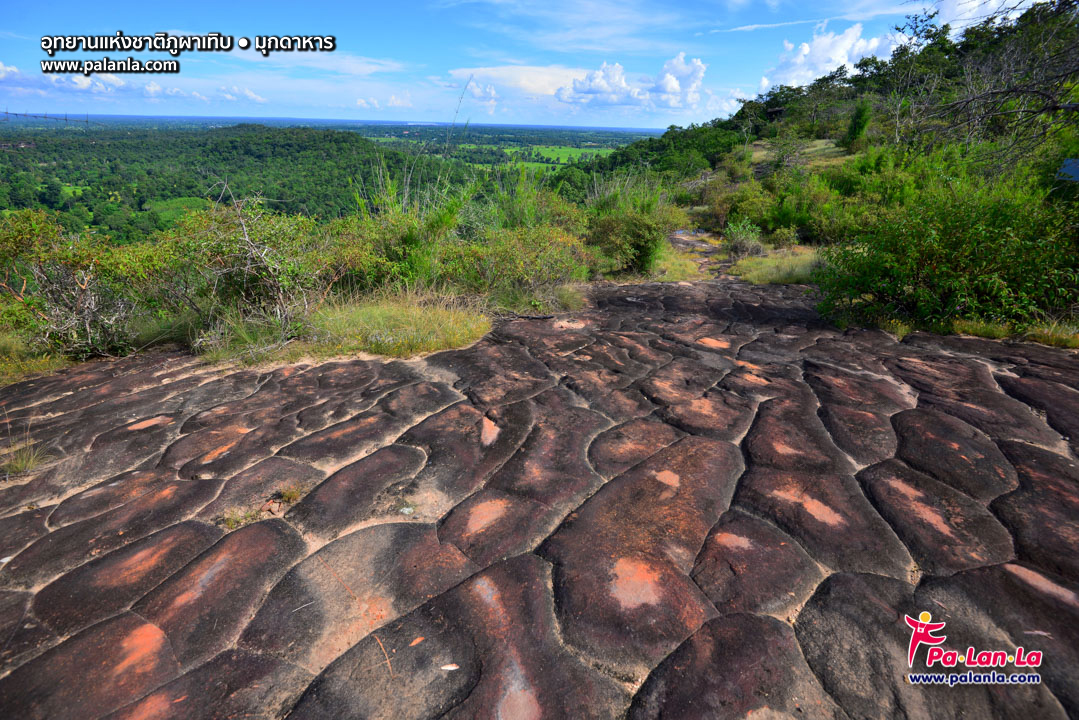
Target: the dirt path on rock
(691, 500)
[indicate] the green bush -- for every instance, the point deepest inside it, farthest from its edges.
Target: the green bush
(518, 200)
(749, 200)
(788, 150)
(629, 218)
(785, 236)
(743, 239)
(859, 121)
(737, 165)
(531, 260)
(631, 240)
(72, 291)
(959, 249)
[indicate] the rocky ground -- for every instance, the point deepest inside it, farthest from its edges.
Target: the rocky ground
(691, 500)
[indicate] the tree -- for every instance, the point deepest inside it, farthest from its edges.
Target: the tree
(748, 118)
(21, 192)
(823, 96)
(52, 194)
(859, 121)
(1018, 78)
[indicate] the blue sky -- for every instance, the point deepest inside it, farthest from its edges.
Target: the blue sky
(622, 63)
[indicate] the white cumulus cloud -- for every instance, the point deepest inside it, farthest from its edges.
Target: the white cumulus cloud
(825, 52)
(725, 105)
(679, 82)
(606, 86)
(677, 85)
(486, 94)
(403, 101)
(235, 92)
(6, 70)
(152, 89)
(83, 82)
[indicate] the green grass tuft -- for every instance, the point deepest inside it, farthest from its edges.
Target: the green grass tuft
(982, 328)
(291, 494)
(24, 458)
(235, 519)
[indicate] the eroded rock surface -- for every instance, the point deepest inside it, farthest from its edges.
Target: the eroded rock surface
(691, 500)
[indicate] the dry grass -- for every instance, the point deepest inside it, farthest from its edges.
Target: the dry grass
(401, 325)
(22, 456)
(570, 297)
(558, 299)
(1057, 333)
(235, 519)
(17, 361)
(817, 154)
(794, 265)
(674, 265)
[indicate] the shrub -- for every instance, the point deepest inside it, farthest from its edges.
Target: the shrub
(629, 218)
(737, 165)
(743, 239)
(749, 201)
(71, 288)
(962, 249)
(631, 240)
(535, 259)
(788, 150)
(355, 250)
(519, 200)
(785, 236)
(859, 121)
(85, 309)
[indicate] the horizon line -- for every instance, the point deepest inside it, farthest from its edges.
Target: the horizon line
(72, 117)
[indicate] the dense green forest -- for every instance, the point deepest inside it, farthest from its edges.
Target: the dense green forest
(129, 178)
(131, 182)
(925, 188)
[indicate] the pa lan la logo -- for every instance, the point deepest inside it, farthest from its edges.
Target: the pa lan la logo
(923, 631)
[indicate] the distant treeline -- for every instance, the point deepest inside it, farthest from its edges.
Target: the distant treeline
(129, 179)
(129, 182)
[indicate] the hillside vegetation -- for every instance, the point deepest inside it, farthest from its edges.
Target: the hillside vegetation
(927, 185)
(931, 180)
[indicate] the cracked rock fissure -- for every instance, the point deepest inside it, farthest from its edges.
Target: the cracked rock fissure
(691, 500)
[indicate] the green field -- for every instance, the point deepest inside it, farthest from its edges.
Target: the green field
(172, 210)
(563, 154)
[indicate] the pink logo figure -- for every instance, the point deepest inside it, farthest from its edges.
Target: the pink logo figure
(922, 633)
